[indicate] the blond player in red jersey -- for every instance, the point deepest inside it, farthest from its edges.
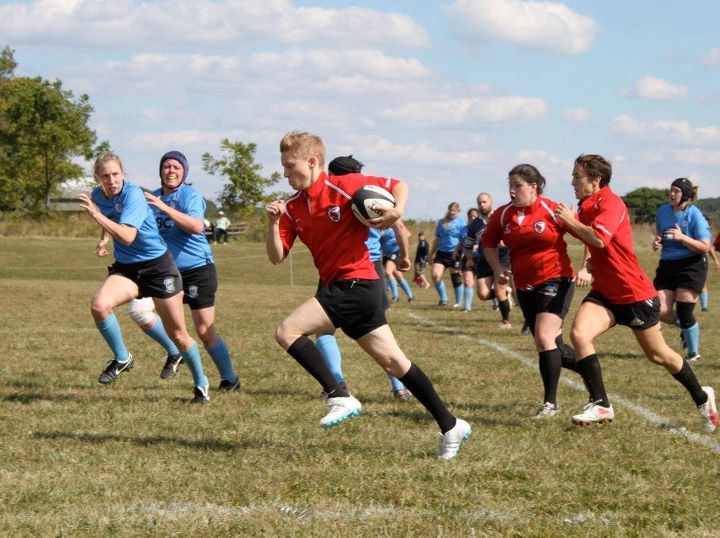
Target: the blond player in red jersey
(622, 294)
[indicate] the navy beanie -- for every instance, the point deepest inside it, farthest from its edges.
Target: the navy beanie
(179, 157)
(340, 166)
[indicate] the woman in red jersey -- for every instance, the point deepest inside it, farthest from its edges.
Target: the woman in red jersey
(351, 294)
(541, 269)
(622, 294)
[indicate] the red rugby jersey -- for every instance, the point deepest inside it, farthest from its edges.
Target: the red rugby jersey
(538, 251)
(616, 271)
(716, 244)
(322, 218)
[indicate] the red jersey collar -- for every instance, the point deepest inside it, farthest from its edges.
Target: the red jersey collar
(590, 200)
(316, 188)
(529, 208)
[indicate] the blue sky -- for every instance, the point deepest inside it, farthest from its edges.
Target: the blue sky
(447, 96)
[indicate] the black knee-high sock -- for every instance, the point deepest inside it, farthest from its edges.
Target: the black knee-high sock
(687, 378)
(568, 355)
(550, 363)
(422, 388)
(306, 353)
(589, 369)
(504, 307)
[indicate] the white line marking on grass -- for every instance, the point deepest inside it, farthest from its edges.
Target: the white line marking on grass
(644, 412)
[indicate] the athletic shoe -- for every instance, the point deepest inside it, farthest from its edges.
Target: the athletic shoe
(450, 441)
(525, 329)
(114, 369)
(229, 386)
(594, 414)
(201, 395)
(705, 309)
(457, 305)
(340, 408)
(708, 410)
(442, 303)
(411, 299)
(505, 324)
(467, 309)
(394, 300)
(171, 365)
(693, 357)
(547, 410)
(403, 395)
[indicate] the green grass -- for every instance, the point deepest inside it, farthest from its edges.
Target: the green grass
(135, 458)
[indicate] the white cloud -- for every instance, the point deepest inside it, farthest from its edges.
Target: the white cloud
(657, 89)
(378, 148)
(577, 115)
(201, 23)
(711, 58)
(667, 131)
(466, 110)
(546, 26)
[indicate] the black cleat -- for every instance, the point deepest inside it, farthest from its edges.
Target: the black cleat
(114, 369)
(171, 365)
(201, 396)
(229, 386)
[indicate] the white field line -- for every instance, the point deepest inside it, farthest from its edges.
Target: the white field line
(704, 440)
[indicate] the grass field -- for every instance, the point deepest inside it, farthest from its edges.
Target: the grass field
(135, 458)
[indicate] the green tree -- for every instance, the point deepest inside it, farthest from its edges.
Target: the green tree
(246, 186)
(643, 203)
(42, 129)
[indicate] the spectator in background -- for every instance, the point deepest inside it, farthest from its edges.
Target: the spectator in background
(421, 261)
(222, 223)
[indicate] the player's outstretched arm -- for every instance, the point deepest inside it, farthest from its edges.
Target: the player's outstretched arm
(273, 243)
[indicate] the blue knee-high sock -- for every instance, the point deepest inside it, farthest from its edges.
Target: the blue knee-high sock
(692, 339)
(704, 299)
(406, 288)
(110, 330)
(440, 287)
(395, 383)
(221, 357)
(469, 294)
(327, 344)
(157, 333)
(459, 293)
(192, 359)
(393, 288)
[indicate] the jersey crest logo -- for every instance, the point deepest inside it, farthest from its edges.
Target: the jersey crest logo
(169, 284)
(334, 214)
(118, 207)
(539, 226)
(193, 291)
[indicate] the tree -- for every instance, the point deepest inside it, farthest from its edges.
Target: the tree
(42, 129)
(643, 203)
(246, 186)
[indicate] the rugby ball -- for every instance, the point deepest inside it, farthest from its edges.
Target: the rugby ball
(368, 197)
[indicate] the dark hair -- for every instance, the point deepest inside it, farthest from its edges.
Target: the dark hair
(596, 166)
(341, 166)
(529, 174)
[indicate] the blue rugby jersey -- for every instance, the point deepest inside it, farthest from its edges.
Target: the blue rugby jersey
(692, 223)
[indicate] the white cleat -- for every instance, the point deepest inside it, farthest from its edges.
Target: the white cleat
(340, 408)
(547, 410)
(451, 440)
(708, 411)
(594, 414)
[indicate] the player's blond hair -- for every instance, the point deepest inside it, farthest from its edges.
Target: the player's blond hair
(102, 159)
(303, 145)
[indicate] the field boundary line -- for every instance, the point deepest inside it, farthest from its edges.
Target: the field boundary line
(704, 440)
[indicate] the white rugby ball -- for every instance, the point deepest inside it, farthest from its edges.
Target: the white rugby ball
(368, 197)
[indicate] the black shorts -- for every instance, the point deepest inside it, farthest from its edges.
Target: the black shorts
(392, 258)
(638, 316)
(356, 306)
(200, 285)
(446, 259)
(553, 296)
(158, 278)
(380, 270)
(482, 268)
(689, 273)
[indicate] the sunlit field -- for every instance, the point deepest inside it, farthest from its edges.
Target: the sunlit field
(136, 458)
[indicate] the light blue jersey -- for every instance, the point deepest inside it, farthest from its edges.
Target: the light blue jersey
(130, 208)
(692, 223)
(450, 234)
(373, 244)
(388, 242)
(189, 250)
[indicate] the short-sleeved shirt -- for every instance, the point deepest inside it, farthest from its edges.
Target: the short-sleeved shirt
(222, 223)
(473, 236)
(388, 242)
(130, 208)
(533, 234)
(616, 271)
(692, 223)
(189, 250)
(322, 218)
(373, 244)
(449, 234)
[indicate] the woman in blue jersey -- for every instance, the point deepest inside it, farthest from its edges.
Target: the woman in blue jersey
(179, 212)
(449, 233)
(390, 256)
(683, 236)
(143, 268)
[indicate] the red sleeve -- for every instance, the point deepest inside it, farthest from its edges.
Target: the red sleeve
(493, 232)
(288, 231)
(716, 244)
(352, 182)
(611, 213)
